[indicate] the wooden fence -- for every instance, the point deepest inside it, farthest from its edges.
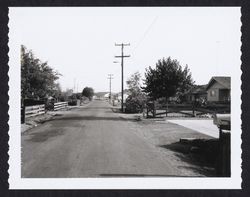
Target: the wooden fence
(156, 110)
(34, 110)
(60, 105)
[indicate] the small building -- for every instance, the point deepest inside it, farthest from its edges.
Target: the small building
(106, 96)
(125, 95)
(119, 97)
(219, 89)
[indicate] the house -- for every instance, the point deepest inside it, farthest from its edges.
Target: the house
(197, 92)
(125, 96)
(106, 96)
(219, 89)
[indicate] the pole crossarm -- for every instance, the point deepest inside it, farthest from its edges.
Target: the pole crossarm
(122, 44)
(118, 56)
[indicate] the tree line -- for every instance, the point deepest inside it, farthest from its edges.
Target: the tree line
(39, 81)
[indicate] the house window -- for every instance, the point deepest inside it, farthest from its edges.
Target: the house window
(212, 93)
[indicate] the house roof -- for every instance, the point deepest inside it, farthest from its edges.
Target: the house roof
(198, 89)
(222, 80)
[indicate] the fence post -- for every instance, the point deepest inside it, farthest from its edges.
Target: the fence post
(167, 109)
(154, 110)
(193, 110)
(23, 115)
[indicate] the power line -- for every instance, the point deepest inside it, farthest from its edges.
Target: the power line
(122, 56)
(146, 32)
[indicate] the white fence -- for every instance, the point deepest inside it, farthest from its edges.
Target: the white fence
(60, 105)
(34, 110)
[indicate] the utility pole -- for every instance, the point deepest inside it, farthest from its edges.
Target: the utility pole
(110, 77)
(122, 56)
(74, 85)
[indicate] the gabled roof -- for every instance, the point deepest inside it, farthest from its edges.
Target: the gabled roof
(224, 81)
(197, 89)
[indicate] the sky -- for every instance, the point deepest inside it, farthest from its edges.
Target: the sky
(80, 42)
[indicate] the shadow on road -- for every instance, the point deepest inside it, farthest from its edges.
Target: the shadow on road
(43, 136)
(137, 175)
(94, 118)
(202, 158)
(94, 108)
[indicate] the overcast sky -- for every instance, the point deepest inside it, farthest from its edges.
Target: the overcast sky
(80, 42)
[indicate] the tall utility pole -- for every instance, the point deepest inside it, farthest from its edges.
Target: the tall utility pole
(110, 77)
(74, 85)
(122, 56)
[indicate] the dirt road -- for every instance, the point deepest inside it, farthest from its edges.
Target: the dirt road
(93, 141)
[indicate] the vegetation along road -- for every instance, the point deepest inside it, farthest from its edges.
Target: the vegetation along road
(93, 141)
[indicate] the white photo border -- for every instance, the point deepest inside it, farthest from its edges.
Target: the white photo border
(16, 182)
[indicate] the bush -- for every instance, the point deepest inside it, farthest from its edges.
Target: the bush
(134, 104)
(72, 102)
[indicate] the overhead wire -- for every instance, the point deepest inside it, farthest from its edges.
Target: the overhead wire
(145, 33)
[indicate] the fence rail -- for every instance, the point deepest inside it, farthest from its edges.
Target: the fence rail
(34, 110)
(154, 110)
(60, 105)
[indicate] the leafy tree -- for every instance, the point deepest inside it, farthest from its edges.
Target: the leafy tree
(168, 79)
(88, 92)
(38, 79)
(133, 83)
(57, 91)
(78, 95)
(136, 98)
(68, 92)
(65, 95)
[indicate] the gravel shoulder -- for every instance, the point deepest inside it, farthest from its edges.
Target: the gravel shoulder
(189, 158)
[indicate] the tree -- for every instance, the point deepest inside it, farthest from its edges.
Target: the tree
(136, 99)
(88, 92)
(133, 83)
(65, 95)
(38, 79)
(167, 79)
(57, 91)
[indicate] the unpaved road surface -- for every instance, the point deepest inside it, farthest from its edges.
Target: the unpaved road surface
(93, 141)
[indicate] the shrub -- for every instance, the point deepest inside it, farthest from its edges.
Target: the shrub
(72, 102)
(135, 104)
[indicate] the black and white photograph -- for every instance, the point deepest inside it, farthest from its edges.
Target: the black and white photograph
(125, 97)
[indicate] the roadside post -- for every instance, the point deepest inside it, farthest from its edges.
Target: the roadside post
(224, 169)
(223, 121)
(22, 115)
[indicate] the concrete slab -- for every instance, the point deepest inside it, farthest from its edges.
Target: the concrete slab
(203, 126)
